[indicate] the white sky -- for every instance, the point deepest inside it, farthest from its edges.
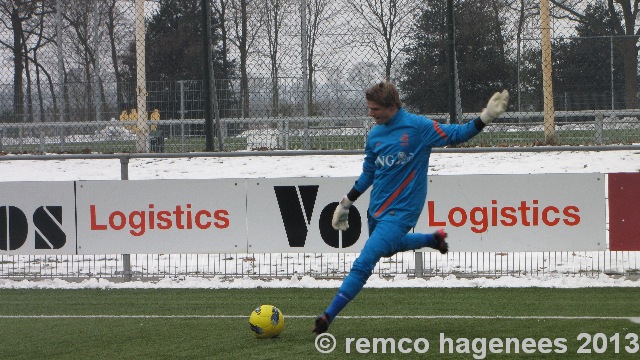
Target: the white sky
(321, 166)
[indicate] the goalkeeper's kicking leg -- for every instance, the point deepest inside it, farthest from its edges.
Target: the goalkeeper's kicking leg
(386, 239)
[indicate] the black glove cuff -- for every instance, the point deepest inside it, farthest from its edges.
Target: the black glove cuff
(479, 123)
(353, 194)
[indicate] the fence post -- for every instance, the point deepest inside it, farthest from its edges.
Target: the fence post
(419, 264)
(43, 147)
(126, 258)
(286, 134)
(280, 135)
(599, 126)
(305, 135)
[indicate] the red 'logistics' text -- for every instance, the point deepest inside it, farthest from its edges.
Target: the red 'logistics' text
(481, 217)
(138, 221)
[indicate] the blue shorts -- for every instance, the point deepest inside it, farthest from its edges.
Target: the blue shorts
(386, 238)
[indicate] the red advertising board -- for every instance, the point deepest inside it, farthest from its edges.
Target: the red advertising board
(624, 211)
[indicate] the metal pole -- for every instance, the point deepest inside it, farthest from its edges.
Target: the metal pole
(126, 258)
(303, 51)
(206, 51)
(611, 57)
(215, 106)
(458, 98)
(452, 69)
(143, 141)
(61, 100)
(419, 264)
(547, 80)
(518, 76)
(97, 96)
(124, 167)
(599, 126)
(182, 115)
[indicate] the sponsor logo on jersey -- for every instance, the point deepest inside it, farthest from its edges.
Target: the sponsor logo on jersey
(400, 158)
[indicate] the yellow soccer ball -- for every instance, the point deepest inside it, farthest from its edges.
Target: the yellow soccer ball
(266, 321)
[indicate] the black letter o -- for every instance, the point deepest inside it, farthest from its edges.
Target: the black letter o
(331, 236)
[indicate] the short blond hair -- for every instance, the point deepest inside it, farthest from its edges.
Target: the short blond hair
(384, 93)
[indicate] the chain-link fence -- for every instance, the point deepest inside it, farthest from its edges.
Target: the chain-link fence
(128, 76)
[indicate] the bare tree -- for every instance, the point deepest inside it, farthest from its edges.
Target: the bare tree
(16, 16)
(386, 19)
(114, 16)
(319, 12)
(79, 57)
(274, 11)
(362, 74)
(527, 12)
(84, 19)
(624, 14)
(42, 39)
(244, 12)
(220, 7)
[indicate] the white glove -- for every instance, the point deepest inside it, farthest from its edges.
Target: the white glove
(496, 106)
(340, 219)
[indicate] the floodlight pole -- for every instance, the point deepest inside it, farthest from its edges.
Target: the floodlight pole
(547, 79)
(452, 59)
(143, 141)
(206, 49)
(61, 82)
(304, 59)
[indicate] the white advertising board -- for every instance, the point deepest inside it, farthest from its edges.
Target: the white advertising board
(549, 212)
(546, 212)
(37, 218)
(294, 215)
(161, 216)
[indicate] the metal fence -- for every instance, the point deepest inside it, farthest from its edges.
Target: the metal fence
(129, 76)
(596, 127)
(321, 266)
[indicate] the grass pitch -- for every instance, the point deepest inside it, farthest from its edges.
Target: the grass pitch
(458, 323)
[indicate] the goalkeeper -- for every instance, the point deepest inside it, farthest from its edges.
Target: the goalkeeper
(396, 162)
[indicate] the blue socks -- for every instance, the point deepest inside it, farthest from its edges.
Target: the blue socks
(431, 241)
(338, 303)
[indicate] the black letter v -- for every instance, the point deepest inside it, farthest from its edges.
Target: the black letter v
(291, 211)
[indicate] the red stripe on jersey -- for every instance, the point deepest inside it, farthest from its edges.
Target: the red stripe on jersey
(395, 194)
(436, 126)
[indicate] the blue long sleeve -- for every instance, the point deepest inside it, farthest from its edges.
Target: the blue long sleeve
(397, 159)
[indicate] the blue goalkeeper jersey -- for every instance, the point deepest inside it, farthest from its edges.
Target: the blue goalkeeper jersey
(397, 159)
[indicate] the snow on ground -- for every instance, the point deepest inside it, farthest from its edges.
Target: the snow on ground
(317, 166)
(399, 281)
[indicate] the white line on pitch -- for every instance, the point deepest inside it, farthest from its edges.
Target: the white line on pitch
(425, 317)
